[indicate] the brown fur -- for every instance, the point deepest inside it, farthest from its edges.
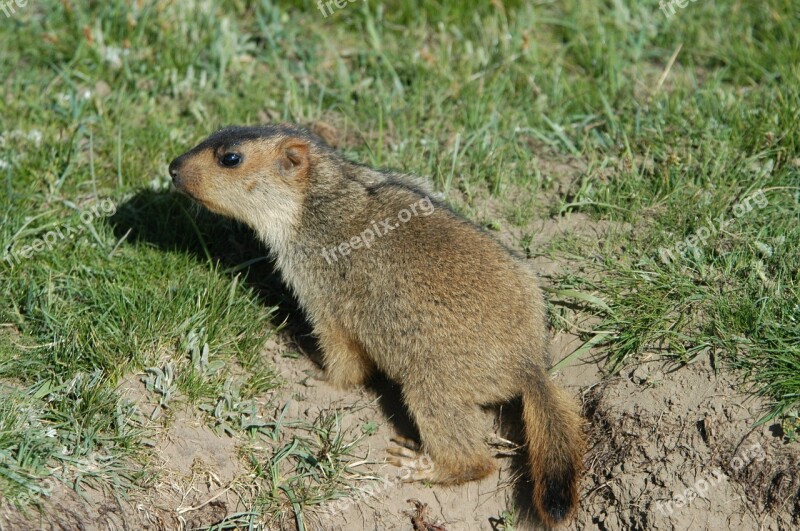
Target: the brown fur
(435, 304)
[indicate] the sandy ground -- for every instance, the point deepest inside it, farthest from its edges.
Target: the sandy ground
(670, 449)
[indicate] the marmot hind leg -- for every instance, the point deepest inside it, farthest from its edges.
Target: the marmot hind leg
(452, 437)
(346, 363)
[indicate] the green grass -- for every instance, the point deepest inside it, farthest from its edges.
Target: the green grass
(99, 97)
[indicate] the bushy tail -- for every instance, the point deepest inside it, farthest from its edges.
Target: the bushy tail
(556, 444)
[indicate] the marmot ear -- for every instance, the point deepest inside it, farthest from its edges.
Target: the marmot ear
(293, 157)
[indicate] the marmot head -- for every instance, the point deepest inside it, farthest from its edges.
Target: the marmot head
(257, 175)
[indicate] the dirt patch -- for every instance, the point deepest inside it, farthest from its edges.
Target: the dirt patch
(193, 469)
(656, 434)
(678, 450)
(669, 450)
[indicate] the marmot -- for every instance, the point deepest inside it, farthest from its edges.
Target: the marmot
(395, 281)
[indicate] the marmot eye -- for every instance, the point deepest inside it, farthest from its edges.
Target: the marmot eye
(230, 160)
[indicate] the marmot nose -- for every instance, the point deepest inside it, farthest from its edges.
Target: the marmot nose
(173, 170)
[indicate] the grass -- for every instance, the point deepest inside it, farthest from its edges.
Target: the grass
(675, 120)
